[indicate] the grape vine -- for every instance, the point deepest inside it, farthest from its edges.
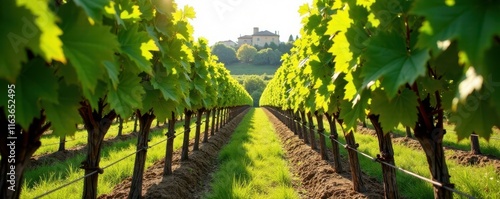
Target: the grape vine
(92, 61)
(396, 62)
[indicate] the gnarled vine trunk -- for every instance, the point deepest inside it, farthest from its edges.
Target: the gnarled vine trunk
(430, 136)
(145, 122)
(386, 155)
(16, 150)
(97, 125)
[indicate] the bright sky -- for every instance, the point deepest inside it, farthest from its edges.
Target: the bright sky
(219, 20)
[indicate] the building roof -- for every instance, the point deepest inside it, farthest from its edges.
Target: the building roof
(227, 41)
(245, 37)
(264, 33)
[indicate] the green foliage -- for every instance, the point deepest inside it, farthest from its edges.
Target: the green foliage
(267, 56)
(254, 85)
(108, 50)
(226, 54)
(398, 59)
(246, 53)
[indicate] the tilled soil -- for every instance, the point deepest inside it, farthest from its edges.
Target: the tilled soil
(190, 178)
(317, 177)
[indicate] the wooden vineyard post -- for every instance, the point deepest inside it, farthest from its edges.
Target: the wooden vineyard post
(335, 145)
(474, 144)
(187, 130)
(198, 128)
(207, 124)
(357, 181)
(312, 137)
(386, 155)
(304, 126)
(120, 126)
(167, 170)
(321, 131)
(298, 125)
(62, 143)
(408, 132)
(212, 130)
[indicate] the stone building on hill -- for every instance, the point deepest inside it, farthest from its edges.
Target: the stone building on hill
(259, 38)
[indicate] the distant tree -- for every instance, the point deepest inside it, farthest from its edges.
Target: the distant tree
(285, 47)
(296, 37)
(290, 39)
(266, 46)
(246, 53)
(267, 56)
(255, 86)
(225, 53)
(261, 58)
(258, 47)
(273, 46)
(256, 97)
(275, 57)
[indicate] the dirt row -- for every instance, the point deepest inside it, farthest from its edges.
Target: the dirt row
(460, 156)
(317, 177)
(190, 178)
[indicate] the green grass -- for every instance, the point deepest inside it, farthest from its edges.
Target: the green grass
(491, 147)
(44, 178)
(252, 164)
(50, 141)
(481, 182)
(251, 69)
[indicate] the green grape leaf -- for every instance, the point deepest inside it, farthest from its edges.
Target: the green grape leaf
(491, 76)
(477, 115)
(128, 95)
(49, 43)
(131, 41)
(164, 7)
(13, 41)
(168, 85)
(153, 99)
(36, 82)
(99, 93)
(400, 109)
(93, 8)
(146, 8)
(351, 113)
(387, 58)
(472, 23)
(113, 72)
(64, 115)
(86, 52)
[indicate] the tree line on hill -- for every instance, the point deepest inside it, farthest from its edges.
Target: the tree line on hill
(269, 54)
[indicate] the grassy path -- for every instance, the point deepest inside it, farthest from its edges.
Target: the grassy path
(252, 164)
